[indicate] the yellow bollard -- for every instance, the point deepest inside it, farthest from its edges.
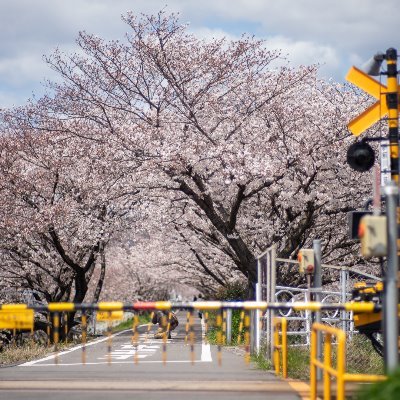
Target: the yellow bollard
(219, 338)
(84, 337)
(56, 335)
(247, 338)
(205, 326)
(135, 337)
(187, 326)
(65, 320)
(327, 365)
(224, 327)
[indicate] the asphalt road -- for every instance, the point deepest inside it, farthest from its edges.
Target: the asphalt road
(118, 376)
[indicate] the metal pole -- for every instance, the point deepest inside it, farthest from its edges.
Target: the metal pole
(229, 326)
(343, 286)
(390, 315)
(272, 298)
(317, 295)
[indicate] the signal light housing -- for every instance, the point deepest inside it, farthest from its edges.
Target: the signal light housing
(360, 156)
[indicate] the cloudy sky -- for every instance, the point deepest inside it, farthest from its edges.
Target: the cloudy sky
(335, 33)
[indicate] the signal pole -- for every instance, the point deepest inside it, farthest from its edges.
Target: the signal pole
(392, 102)
(387, 104)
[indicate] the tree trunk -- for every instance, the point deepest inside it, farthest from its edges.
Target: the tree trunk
(100, 282)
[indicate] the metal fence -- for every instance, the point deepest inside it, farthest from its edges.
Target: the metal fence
(338, 290)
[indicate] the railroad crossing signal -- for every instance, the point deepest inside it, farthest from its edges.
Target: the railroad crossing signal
(373, 113)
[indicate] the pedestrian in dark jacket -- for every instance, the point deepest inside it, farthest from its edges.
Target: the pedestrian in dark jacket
(167, 322)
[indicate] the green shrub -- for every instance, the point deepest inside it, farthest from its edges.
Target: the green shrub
(236, 290)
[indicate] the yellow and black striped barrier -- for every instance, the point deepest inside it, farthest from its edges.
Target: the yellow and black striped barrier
(21, 317)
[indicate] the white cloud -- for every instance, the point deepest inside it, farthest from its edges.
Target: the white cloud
(336, 33)
(305, 52)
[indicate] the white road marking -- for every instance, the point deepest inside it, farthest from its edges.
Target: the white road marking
(128, 350)
(205, 347)
(53, 356)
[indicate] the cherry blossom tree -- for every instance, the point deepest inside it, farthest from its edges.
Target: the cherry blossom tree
(232, 152)
(61, 201)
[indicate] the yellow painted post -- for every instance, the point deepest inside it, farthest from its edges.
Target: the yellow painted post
(135, 337)
(313, 367)
(56, 335)
(223, 327)
(84, 337)
(187, 326)
(65, 320)
(327, 365)
(393, 111)
(219, 338)
(284, 349)
(247, 338)
(341, 365)
(205, 326)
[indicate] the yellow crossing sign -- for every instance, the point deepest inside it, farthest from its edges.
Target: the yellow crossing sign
(16, 319)
(109, 315)
(374, 113)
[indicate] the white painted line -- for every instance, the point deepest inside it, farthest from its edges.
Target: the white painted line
(205, 347)
(53, 356)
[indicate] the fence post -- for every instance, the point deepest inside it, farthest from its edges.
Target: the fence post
(229, 326)
(343, 290)
(317, 297)
(271, 283)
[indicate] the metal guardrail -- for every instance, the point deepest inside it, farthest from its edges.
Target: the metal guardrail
(326, 365)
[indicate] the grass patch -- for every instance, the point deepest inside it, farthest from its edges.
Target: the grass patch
(26, 352)
(299, 363)
(128, 324)
(261, 361)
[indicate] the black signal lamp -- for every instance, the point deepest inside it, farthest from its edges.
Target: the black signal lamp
(360, 156)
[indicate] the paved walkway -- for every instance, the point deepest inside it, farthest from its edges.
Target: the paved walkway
(119, 376)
